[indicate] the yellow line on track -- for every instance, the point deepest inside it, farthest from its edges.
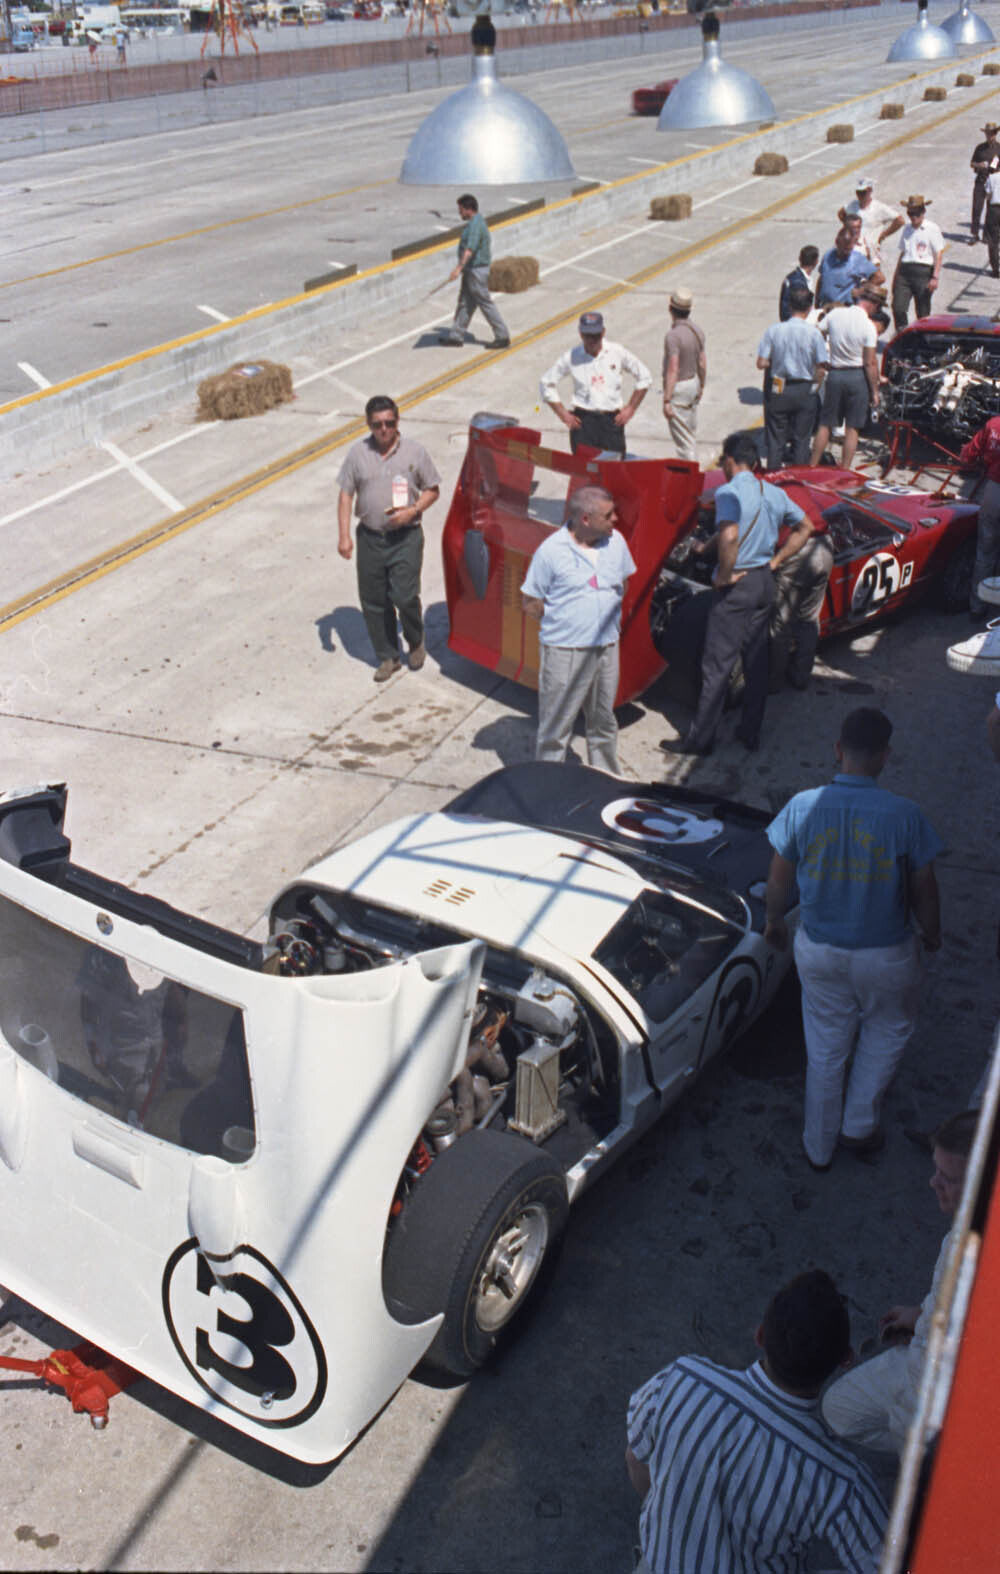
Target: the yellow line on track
(206, 229)
(87, 573)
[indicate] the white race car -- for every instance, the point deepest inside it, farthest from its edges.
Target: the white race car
(275, 1177)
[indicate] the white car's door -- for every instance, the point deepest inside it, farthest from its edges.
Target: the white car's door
(198, 1160)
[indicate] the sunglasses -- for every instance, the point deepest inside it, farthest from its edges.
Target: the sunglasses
(389, 421)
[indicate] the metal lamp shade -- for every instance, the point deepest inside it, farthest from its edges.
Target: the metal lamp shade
(715, 94)
(486, 135)
(964, 27)
(922, 42)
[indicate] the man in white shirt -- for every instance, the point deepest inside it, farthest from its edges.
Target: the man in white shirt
(921, 248)
(598, 416)
(851, 390)
(878, 220)
(991, 229)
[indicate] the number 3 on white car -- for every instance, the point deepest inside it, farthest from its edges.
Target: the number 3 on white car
(353, 1147)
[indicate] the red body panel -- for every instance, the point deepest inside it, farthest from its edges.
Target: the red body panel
(891, 542)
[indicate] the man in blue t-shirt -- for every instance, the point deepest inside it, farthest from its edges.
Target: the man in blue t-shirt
(864, 862)
(844, 268)
(749, 513)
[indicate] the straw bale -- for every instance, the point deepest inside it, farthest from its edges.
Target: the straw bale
(514, 274)
(991, 69)
(248, 388)
(965, 79)
(891, 112)
(770, 164)
(840, 133)
(677, 206)
(935, 95)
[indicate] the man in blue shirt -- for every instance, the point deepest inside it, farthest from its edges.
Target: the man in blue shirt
(864, 862)
(475, 252)
(842, 269)
(575, 584)
(749, 512)
(795, 356)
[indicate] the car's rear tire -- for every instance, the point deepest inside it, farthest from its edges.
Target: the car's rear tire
(955, 585)
(472, 1242)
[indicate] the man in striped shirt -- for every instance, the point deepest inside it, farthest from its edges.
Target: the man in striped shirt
(738, 1472)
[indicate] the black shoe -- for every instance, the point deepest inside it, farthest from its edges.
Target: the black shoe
(682, 746)
(863, 1147)
(499, 344)
(750, 744)
(454, 339)
(820, 1169)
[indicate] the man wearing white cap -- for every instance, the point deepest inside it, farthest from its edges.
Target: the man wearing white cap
(878, 220)
(985, 161)
(683, 374)
(921, 248)
(599, 416)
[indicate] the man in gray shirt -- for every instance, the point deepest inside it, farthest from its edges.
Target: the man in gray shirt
(393, 480)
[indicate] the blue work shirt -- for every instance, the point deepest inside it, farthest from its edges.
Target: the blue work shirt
(582, 594)
(475, 237)
(854, 846)
(794, 348)
(759, 509)
(838, 275)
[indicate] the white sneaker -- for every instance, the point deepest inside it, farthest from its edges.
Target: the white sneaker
(979, 655)
(989, 590)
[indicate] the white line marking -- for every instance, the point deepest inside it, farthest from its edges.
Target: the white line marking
(595, 178)
(332, 262)
(515, 200)
(36, 376)
(210, 311)
(653, 161)
(142, 476)
(611, 278)
(702, 147)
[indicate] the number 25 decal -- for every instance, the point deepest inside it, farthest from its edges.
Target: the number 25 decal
(243, 1335)
(879, 579)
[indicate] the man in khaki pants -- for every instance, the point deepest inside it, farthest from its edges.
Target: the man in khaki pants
(683, 374)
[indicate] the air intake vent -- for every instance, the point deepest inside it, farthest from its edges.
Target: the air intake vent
(447, 891)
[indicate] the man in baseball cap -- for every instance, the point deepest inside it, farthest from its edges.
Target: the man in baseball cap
(878, 220)
(598, 415)
(985, 161)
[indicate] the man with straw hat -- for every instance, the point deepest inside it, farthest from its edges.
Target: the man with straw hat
(921, 247)
(985, 161)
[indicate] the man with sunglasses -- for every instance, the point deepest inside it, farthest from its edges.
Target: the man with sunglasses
(392, 480)
(921, 248)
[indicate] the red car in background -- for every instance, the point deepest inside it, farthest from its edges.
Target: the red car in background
(893, 544)
(650, 100)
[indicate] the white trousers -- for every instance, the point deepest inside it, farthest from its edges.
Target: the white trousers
(572, 679)
(865, 1001)
(873, 1403)
(683, 423)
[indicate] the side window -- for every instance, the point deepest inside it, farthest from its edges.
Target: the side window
(663, 949)
(126, 1040)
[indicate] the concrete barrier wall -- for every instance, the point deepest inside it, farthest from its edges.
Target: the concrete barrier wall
(84, 409)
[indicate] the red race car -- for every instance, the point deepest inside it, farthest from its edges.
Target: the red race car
(650, 100)
(942, 377)
(892, 543)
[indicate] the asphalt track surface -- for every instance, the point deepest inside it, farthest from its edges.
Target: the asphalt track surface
(207, 694)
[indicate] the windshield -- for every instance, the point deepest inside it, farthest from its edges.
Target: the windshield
(663, 948)
(124, 1038)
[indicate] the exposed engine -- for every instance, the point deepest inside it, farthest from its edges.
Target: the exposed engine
(946, 388)
(534, 1057)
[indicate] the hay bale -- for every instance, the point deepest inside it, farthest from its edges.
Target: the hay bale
(770, 164)
(249, 388)
(935, 95)
(840, 133)
(676, 207)
(514, 274)
(965, 79)
(991, 69)
(891, 112)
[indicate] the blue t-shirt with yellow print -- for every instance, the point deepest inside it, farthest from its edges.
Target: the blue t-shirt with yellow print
(854, 846)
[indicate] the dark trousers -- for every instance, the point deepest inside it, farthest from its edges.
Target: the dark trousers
(389, 566)
(911, 281)
(978, 199)
(991, 230)
(789, 417)
(737, 626)
(597, 429)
